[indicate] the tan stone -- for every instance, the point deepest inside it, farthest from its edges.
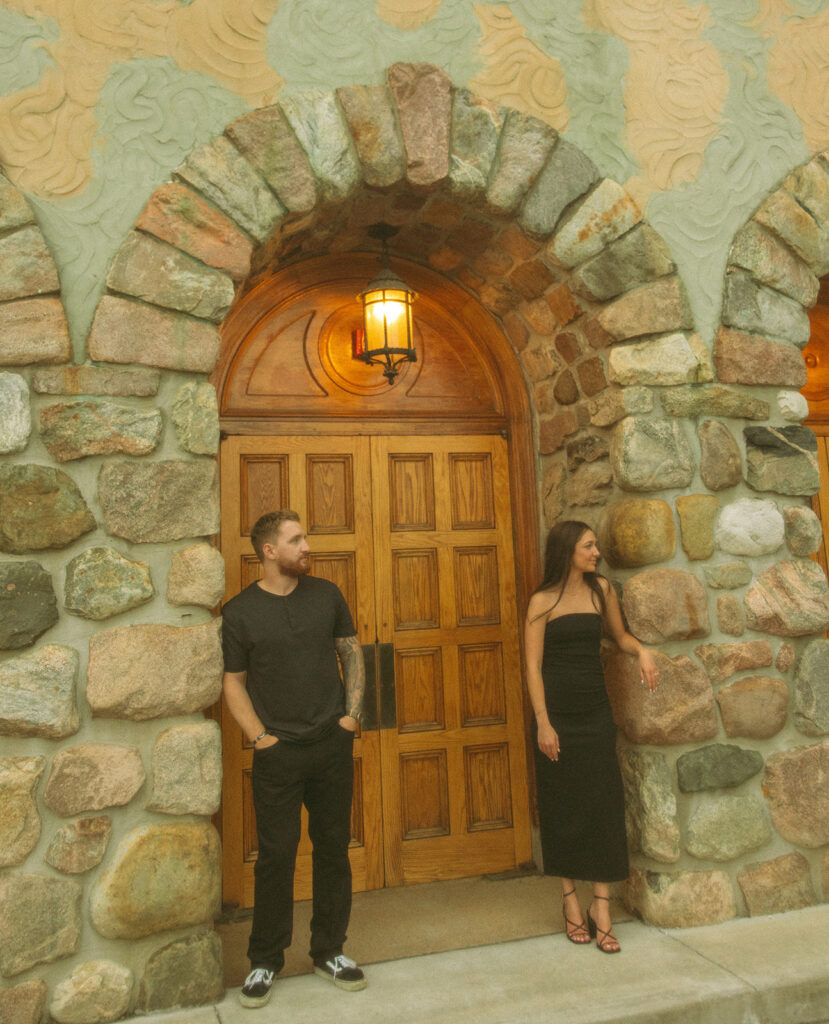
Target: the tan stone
(657, 362)
(720, 463)
(754, 707)
(796, 786)
(75, 430)
(637, 531)
(789, 599)
(680, 899)
(19, 818)
(785, 658)
(741, 358)
(96, 992)
(553, 430)
(96, 380)
(697, 513)
(680, 710)
(80, 845)
(187, 770)
(160, 877)
(614, 405)
(778, 885)
(197, 576)
(132, 669)
(370, 115)
(26, 1002)
(730, 615)
(26, 265)
(34, 331)
(93, 776)
(665, 604)
(724, 660)
(423, 94)
(40, 923)
(657, 308)
(604, 215)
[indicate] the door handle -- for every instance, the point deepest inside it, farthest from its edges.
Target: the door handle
(387, 691)
(369, 717)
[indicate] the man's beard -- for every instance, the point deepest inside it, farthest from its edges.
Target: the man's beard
(295, 569)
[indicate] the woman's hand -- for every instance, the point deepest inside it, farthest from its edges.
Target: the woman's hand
(648, 669)
(548, 740)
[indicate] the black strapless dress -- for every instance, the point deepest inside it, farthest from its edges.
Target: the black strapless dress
(580, 796)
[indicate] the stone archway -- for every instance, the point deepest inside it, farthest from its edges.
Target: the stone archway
(589, 298)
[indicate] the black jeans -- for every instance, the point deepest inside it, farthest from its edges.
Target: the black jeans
(285, 776)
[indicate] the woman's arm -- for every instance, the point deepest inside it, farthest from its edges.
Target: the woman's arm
(534, 626)
(626, 641)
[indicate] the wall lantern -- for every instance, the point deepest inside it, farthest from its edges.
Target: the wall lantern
(386, 335)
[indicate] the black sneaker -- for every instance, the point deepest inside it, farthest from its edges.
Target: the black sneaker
(256, 990)
(342, 971)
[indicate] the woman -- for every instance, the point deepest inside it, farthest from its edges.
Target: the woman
(580, 798)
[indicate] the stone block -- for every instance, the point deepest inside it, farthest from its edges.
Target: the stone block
(786, 657)
(658, 362)
(761, 254)
(591, 376)
(651, 454)
(637, 258)
(76, 430)
(657, 308)
(804, 533)
(680, 899)
(177, 215)
(93, 776)
(197, 576)
(782, 214)
(741, 358)
(423, 94)
(680, 710)
(796, 787)
(476, 128)
(717, 766)
(14, 210)
(750, 307)
(778, 885)
(269, 144)
(697, 513)
(223, 176)
(34, 331)
(101, 582)
(728, 576)
(159, 501)
(40, 923)
(531, 279)
(155, 272)
(26, 265)
(566, 176)
(24, 1003)
(160, 877)
(809, 184)
(789, 599)
(318, 123)
(750, 526)
(187, 972)
(665, 604)
(96, 380)
(724, 660)
(590, 484)
(19, 817)
(16, 422)
(80, 845)
(187, 770)
(523, 149)
(196, 418)
(650, 805)
(725, 826)
(782, 459)
(614, 405)
(96, 992)
(730, 615)
(552, 431)
(754, 707)
(37, 693)
(28, 606)
(637, 531)
(371, 120)
(130, 669)
(553, 490)
(720, 463)
(124, 331)
(605, 214)
(792, 405)
(811, 692)
(712, 400)
(566, 391)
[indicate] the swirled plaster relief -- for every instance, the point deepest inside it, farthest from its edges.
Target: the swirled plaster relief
(23, 58)
(407, 14)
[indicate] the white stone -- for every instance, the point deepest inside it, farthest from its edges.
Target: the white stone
(659, 362)
(750, 526)
(96, 992)
(793, 406)
(15, 413)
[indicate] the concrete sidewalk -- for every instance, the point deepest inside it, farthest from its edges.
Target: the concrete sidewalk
(770, 970)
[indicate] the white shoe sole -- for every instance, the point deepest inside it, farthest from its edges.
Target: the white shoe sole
(350, 986)
(252, 1002)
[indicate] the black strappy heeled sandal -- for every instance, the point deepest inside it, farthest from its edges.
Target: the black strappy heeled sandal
(601, 936)
(576, 928)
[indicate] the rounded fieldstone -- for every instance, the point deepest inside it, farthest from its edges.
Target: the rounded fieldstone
(196, 418)
(19, 818)
(41, 920)
(16, 421)
(96, 992)
(161, 877)
(717, 766)
(782, 459)
(37, 693)
(80, 845)
(187, 972)
(680, 899)
(665, 604)
(754, 707)
(789, 599)
(792, 405)
(650, 805)
(187, 770)
(727, 826)
(697, 513)
(28, 606)
(796, 787)
(724, 660)
(778, 885)
(750, 526)
(651, 455)
(730, 615)
(24, 1003)
(76, 430)
(637, 531)
(804, 533)
(40, 507)
(785, 658)
(729, 576)
(93, 776)
(811, 692)
(197, 576)
(101, 582)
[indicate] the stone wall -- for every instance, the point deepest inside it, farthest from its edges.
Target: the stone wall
(691, 464)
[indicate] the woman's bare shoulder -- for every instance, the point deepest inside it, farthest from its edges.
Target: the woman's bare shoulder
(541, 602)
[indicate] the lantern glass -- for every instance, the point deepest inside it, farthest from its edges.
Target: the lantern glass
(387, 315)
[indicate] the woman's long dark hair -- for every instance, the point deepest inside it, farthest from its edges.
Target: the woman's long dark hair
(558, 556)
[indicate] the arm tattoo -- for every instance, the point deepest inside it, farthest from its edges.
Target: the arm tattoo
(354, 673)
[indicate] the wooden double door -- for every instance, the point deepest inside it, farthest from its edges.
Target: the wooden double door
(417, 533)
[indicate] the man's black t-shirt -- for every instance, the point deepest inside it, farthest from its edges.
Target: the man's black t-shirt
(286, 646)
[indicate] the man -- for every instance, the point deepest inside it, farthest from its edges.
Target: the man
(282, 639)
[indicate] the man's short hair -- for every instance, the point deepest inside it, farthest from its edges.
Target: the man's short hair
(267, 526)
